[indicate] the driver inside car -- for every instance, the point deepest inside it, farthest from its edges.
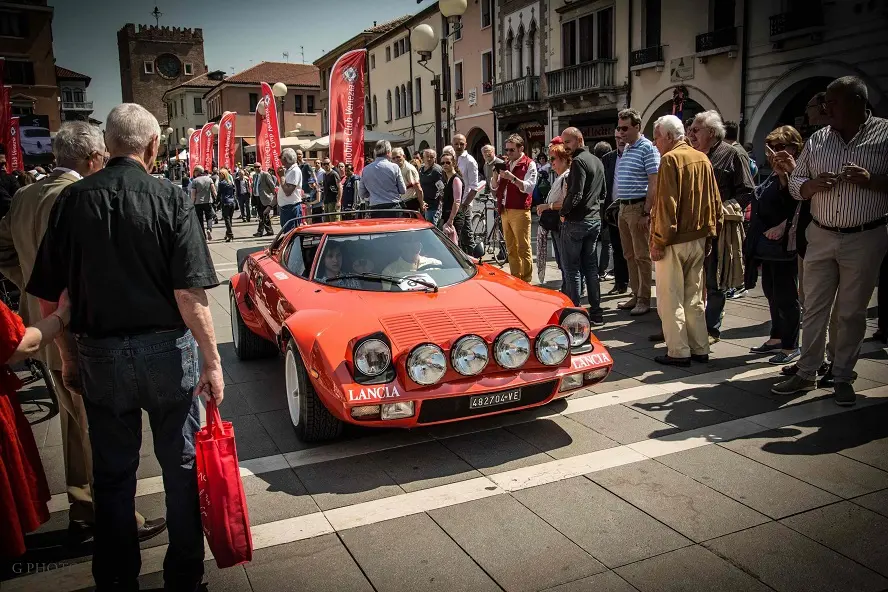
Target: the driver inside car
(410, 259)
(331, 267)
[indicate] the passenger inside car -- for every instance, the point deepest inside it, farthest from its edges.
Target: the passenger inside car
(331, 267)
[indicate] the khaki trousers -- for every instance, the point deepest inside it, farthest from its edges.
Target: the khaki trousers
(830, 343)
(516, 229)
(841, 272)
(636, 250)
(76, 453)
(680, 288)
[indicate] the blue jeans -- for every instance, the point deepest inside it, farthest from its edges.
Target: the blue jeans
(432, 214)
(290, 212)
(578, 260)
(715, 297)
(121, 376)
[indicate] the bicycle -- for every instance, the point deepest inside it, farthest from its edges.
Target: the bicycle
(492, 239)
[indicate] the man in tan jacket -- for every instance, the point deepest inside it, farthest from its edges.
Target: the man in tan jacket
(686, 215)
(79, 149)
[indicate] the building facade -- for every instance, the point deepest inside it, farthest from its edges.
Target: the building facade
(30, 71)
(472, 73)
(690, 49)
(154, 60)
(185, 104)
(587, 76)
(75, 104)
(240, 93)
(402, 95)
(797, 48)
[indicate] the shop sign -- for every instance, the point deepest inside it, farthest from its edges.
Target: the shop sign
(681, 69)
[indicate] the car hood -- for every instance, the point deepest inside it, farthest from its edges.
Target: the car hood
(484, 305)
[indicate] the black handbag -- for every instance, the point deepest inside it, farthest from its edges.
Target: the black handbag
(772, 250)
(550, 220)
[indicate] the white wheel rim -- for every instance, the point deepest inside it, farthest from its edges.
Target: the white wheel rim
(292, 383)
(235, 329)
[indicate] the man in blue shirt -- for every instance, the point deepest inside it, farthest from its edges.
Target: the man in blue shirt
(381, 181)
(636, 187)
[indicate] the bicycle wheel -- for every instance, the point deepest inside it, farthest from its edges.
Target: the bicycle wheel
(498, 243)
(478, 226)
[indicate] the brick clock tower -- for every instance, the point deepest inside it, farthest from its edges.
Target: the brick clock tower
(155, 59)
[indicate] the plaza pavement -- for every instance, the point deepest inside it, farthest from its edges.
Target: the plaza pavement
(659, 479)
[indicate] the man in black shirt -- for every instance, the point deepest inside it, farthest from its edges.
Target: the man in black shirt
(431, 181)
(582, 223)
(332, 198)
(130, 250)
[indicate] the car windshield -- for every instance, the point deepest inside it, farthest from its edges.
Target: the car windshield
(405, 261)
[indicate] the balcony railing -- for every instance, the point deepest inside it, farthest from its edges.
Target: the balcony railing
(648, 55)
(515, 92)
(790, 22)
(581, 78)
(715, 40)
(77, 105)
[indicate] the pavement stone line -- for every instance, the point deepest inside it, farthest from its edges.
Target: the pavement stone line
(78, 576)
(371, 444)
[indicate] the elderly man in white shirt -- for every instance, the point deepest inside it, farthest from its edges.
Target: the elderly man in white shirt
(468, 167)
(290, 194)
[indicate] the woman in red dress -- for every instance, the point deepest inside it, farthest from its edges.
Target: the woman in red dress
(23, 489)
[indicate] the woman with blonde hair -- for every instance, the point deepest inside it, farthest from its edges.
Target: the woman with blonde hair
(770, 241)
(227, 195)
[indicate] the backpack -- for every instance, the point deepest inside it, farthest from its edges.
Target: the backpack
(541, 191)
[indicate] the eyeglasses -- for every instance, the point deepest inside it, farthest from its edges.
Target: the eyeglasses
(624, 128)
(511, 149)
(777, 147)
(326, 164)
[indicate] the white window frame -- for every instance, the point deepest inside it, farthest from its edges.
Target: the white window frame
(372, 61)
(492, 76)
(462, 80)
(148, 67)
(481, 13)
(458, 26)
(388, 53)
(188, 68)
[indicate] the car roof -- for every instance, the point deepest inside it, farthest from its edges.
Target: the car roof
(371, 226)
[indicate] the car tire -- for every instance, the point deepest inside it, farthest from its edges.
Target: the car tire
(248, 345)
(311, 420)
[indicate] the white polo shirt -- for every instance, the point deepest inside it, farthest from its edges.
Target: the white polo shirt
(293, 176)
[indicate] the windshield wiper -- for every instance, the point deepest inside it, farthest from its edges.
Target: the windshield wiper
(384, 278)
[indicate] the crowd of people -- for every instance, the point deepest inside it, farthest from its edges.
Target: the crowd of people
(684, 205)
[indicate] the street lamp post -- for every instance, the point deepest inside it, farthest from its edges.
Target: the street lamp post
(169, 141)
(280, 91)
(423, 41)
(189, 131)
(183, 142)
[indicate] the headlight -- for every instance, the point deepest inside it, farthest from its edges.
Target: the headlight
(373, 357)
(512, 348)
(552, 346)
(469, 355)
(577, 326)
(426, 364)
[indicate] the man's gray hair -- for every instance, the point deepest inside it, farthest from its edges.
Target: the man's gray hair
(382, 148)
(488, 148)
(77, 140)
(288, 157)
(129, 129)
(198, 170)
(712, 120)
(428, 151)
(397, 152)
(448, 149)
(851, 84)
(671, 126)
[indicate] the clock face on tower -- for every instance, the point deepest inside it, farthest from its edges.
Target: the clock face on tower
(168, 65)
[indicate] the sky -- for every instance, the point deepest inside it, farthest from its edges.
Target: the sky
(85, 32)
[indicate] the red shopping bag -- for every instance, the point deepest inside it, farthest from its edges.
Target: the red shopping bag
(223, 505)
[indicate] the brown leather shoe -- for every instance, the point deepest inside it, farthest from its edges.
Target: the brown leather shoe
(640, 309)
(151, 529)
(629, 304)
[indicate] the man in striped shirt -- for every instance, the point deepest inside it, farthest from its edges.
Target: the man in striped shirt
(843, 171)
(636, 186)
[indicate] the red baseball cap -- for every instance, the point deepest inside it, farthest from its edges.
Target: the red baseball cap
(557, 140)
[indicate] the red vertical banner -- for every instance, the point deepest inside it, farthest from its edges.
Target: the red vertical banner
(206, 145)
(261, 149)
(5, 110)
(347, 109)
(271, 134)
(194, 151)
(226, 140)
(15, 160)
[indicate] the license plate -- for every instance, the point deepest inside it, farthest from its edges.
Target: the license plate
(492, 400)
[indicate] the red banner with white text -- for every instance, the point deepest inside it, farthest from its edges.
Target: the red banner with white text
(226, 140)
(15, 160)
(206, 146)
(194, 152)
(347, 109)
(268, 138)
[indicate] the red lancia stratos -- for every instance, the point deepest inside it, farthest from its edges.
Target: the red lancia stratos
(386, 323)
